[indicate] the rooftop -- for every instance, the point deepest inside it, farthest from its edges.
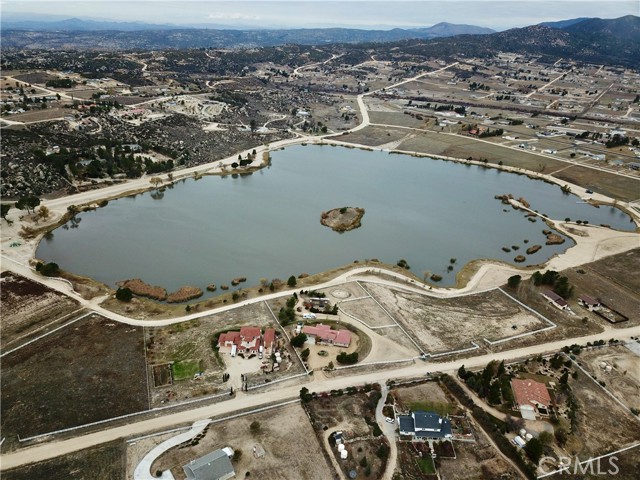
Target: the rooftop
(213, 466)
(530, 392)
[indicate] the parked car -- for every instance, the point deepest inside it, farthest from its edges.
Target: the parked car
(309, 315)
(389, 420)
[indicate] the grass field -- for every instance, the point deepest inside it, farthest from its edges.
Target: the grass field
(426, 465)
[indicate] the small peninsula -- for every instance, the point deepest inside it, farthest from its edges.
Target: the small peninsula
(342, 219)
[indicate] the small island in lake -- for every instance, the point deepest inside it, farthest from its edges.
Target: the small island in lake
(342, 219)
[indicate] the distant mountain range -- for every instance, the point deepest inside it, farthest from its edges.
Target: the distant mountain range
(594, 40)
(215, 35)
(610, 41)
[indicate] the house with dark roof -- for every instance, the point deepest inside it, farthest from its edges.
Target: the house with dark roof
(425, 426)
(531, 397)
(556, 300)
(588, 302)
(213, 466)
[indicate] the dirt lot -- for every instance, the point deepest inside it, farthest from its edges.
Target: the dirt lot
(441, 325)
(476, 460)
(374, 136)
(291, 449)
(610, 268)
(91, 370)
(602, 425)
(27, 306)
(369, 312)
(350, 414)
(624, 378)
(40, 115)
(607, 291)
(106, 462)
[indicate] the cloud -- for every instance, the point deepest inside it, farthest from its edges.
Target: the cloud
(232, 16)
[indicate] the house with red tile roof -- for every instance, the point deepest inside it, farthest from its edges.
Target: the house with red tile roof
(247, 340)
(324, 334)
(531, 397)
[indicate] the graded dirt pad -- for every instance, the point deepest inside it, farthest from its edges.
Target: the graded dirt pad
(603, 426)
(91, 370)
(292, 451)
(40, 115)
(367, 311)
(623, 380)
(105, 462)
(442, 325)
(27, 305)
(627, 262)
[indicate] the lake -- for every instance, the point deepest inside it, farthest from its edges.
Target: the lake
(267, 224)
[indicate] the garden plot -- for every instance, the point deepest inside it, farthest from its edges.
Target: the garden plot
(291, 450)
(443, 325)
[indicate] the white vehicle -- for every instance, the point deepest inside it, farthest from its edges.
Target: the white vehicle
(309, 316)
(389, 420)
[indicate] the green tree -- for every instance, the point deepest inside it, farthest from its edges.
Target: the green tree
(50, 269)
(292, 281)
(27, 203)
(299, 340)
(5, 210)
(305, 354)
(534, 450)
(514, 281)
(494, 396)
(305, 396)
(124, 294)
(255, 426)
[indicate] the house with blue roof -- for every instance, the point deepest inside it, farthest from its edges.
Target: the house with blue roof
(425, 426)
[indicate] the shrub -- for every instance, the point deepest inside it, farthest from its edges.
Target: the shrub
(345, 358)
(124, 294)
(49, 269)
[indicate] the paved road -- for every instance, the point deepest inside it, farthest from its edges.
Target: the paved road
(254, 400)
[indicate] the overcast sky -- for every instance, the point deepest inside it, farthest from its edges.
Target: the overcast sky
(329, 13)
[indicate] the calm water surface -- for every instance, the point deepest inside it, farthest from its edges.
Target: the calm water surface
(268, 224)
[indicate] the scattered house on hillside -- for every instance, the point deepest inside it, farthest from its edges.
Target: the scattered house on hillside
(556, 300)
(588, 302)
(531, 397)
(323, 334)
(425, 426)
(248, 340)
(213, 466)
